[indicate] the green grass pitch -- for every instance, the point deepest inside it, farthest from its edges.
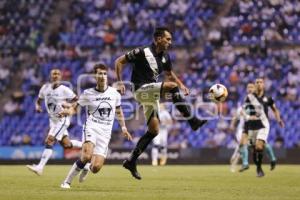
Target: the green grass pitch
(207, 182)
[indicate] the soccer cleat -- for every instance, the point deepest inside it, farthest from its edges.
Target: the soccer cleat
(65, 185)
(196, 123)
(272, 165)
(260, 172)
(35, 169)
(132, 168)
(244, 168)
(83, 175)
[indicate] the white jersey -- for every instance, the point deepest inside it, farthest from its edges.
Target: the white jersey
(101, 107)
(54, 100)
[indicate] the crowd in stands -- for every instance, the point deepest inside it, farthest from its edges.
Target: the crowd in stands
(237, 53)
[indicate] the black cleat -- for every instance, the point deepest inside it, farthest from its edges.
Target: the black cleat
(272, 165)
(244, 168)
(196, 123)
(132, 168)
(260, 173)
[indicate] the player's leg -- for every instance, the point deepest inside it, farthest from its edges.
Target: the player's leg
(181, 104)
(86, 156)
(144, 141)
(164, 147)
(38, 169)
(67, 143)
(154, 151)
(259, 150)
(271, 155)
(98, 158)
(244, 152)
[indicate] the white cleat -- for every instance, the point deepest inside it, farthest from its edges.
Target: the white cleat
(35, 169)
(83, 175)
(65, 185)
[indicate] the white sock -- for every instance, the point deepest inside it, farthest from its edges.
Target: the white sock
(74, 171)
(154, 154)
(76, 143)
(87, 166)
(45, 157)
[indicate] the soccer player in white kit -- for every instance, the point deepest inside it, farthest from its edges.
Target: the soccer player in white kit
(239, 151)
(102, 102)
(56, 96)
(160, 142)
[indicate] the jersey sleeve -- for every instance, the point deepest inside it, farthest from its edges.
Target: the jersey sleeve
(42, 92)
(134, 55)
(168, 64)
(69, 94)
(270, 102)
(118, 100)
(83, 99)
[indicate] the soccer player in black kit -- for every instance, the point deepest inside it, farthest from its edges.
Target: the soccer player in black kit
(147, 64)
(257, 125)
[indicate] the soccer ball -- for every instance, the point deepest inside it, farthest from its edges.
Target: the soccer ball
(218, 93)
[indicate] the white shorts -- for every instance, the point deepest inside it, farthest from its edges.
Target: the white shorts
(161, 139)
(59, 129)
(99, 140)
(148, 96)
(260, 134)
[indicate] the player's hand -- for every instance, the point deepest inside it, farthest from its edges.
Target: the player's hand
(121, 88)
(281, 124)
(38, 108)
(126, 134)
(64, 112)
(185, 90)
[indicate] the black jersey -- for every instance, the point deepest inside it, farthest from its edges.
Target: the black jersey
(147, 65)
(257, 106)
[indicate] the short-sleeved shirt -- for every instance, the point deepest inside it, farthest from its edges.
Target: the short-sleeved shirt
(101, 108)
(147, 65)
(257, 106)
(55, 98)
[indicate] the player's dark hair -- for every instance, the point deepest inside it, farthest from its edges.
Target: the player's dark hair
(160, 31)
(99, 66)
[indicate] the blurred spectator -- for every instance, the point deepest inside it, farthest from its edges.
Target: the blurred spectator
(16, 139)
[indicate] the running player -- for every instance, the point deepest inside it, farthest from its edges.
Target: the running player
(160, 142)
(102, 102)
(56, 96)
(147, 64)
(257, 107)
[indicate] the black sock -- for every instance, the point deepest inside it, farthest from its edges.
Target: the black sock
(180, 103)
(254, 157)
(142, 144)
(80, 164)
(259, 158)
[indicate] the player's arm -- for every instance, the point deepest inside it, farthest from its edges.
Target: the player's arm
(38, 105)
(120, 118)
(119, 65)
(69, 110)
(171, 76)
(277, 115)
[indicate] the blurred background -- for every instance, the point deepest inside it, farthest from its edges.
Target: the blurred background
(214, 41)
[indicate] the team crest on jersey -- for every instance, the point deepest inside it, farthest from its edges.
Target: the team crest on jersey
(103, 111)
(136, 51)
(265, 99)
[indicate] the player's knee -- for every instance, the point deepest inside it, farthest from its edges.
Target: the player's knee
(86, 157)
(95, 168)
(49, 141)
(66, 145)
